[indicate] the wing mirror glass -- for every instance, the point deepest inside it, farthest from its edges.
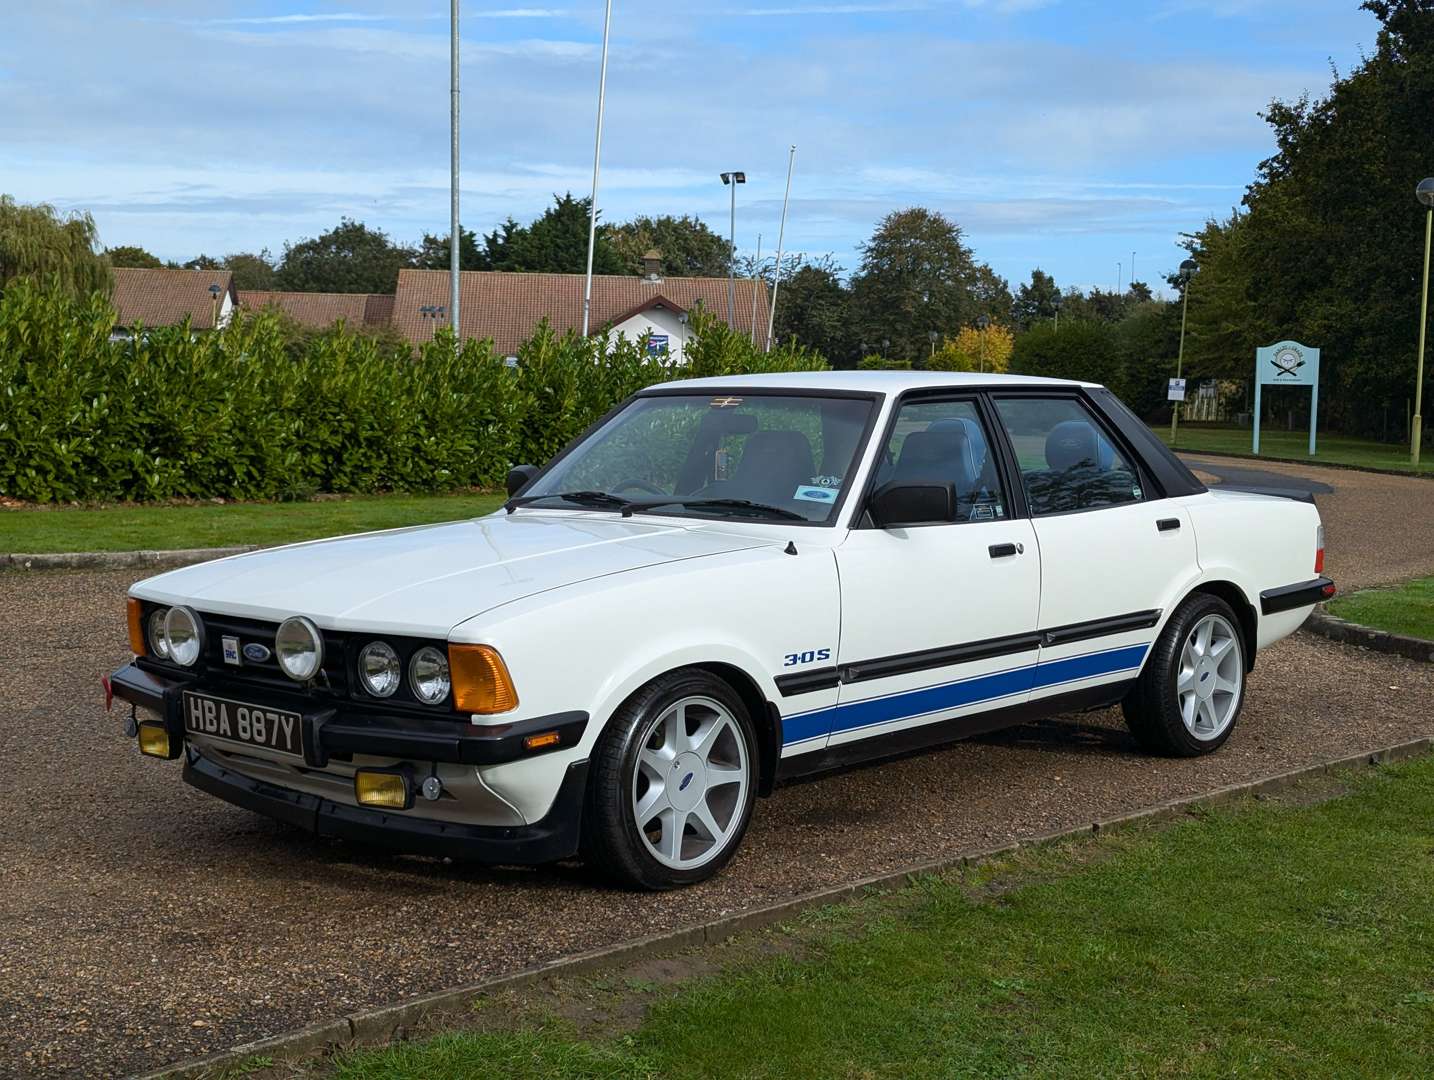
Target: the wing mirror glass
(896, 505)
(519, 477)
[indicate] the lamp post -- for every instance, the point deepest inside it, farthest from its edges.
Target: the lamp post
(1425, 194)
(1187, 268)
(781, 239)
(1058, 313)
(455, 237)
(982, 321)
(731, 180)
(214, 291)
(933, 336)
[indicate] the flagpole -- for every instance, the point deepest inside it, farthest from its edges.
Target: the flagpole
(597, 161)
(781, 238)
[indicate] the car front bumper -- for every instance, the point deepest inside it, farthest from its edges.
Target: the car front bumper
(316, 793)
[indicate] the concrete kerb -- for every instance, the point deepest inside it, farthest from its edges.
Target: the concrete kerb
(118, 560)
(386, 1023)
(1336, 629)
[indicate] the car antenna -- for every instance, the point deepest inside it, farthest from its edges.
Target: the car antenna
(791, 548)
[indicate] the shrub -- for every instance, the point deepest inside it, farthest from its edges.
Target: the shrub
(1078, 350)
(250, 413)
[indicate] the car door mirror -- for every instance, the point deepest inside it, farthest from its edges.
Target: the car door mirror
(893, 506)
(519, 477)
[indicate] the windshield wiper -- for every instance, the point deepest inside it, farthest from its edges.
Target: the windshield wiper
(742, 506)
(598, 500)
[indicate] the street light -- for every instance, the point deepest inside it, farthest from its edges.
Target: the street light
(214, 291)
(1057, 303)
(731, 180)
(982, 321)
(1187, 268)
(1425, 194)
(597, 161)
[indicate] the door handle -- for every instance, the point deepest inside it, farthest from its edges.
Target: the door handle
(1003, 551)
(1168, 524)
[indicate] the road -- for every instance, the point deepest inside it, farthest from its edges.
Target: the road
(142, 922)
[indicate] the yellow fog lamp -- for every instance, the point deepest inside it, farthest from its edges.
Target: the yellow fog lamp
(383, 789)
(154, 740)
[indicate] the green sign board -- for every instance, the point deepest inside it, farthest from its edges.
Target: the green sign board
(1287, 363)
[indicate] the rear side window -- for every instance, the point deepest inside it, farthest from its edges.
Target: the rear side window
(944, 442)
(1067, 460)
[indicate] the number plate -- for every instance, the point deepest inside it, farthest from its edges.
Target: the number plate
(251, 725)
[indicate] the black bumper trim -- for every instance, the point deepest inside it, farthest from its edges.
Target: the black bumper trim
(328, 731)
(1289, 597)
(552, 838)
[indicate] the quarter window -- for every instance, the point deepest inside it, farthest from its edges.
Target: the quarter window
(1067, 460)
(944, 442)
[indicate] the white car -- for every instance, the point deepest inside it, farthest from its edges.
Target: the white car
(722, 584)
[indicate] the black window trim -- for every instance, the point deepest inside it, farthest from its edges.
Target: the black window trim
(1014, 495)
(1150, 489)
(876, 398)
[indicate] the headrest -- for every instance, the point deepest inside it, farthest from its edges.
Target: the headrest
(1072, 443)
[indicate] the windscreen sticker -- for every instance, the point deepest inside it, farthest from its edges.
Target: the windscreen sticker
(815, 494)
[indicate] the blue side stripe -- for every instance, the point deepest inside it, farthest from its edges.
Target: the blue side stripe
(980, 688)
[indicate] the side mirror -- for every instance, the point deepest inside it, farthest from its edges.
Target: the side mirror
(896, 505)
(519, 477)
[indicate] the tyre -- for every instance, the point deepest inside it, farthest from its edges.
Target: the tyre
(672, 783)
(1189, 696)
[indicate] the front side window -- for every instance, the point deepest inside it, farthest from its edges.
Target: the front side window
(944, 442)
(759, 456)
(1067, 460)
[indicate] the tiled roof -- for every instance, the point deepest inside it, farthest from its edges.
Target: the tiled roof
(160, 297)
(322, 310)
(506, 307)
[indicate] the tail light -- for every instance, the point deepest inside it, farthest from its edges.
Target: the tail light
(1319, 549)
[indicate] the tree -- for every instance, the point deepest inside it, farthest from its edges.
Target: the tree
(1035, 300)
(434, 251)
(38, 242)
(203, 262)
(687, 246)
(916, 275)
(251, 270)
(814, 309)
(974, 348)
(557, 242)
(349, 258)
(1078, 350)
(132, 258)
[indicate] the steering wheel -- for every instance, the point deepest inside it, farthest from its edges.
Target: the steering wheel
(641, 485)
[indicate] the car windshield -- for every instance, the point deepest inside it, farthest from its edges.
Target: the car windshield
(761, 457)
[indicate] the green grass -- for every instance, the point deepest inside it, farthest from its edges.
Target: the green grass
(1407, 609)
(130, 528)
(1269, 940)
(1335, 449)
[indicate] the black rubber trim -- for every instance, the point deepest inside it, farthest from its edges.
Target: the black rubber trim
(330, 731)
(1289, 597)
(807, 682)
(1084, 631)
(922, 736)
(548, 840)
(1167, 524)
(884, 667)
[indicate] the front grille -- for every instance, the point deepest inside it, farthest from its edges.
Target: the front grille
(337, 680)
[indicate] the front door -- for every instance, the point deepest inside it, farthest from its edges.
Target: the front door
(937, 620)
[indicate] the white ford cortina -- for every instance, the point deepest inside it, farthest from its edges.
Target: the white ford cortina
(723, 584)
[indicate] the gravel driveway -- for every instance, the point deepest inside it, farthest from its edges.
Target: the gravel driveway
(142, 922)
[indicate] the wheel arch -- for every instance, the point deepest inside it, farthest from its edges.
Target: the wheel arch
(765, 719)
(1244, 611)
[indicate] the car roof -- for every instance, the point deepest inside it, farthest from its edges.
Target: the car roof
(885, 382)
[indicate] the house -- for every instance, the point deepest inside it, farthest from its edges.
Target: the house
(507, 306)
(162, 297)
(319, 311)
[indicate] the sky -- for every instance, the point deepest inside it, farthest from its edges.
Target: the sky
(1064, 134)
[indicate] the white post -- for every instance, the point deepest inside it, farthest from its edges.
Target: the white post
(455, 237)
(756, 277)
(781, 238)
(597, 162)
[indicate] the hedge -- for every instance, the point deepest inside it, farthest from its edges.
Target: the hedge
(242, 414)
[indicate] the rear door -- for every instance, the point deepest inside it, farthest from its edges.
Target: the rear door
(1114, 555)
(937, 620)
